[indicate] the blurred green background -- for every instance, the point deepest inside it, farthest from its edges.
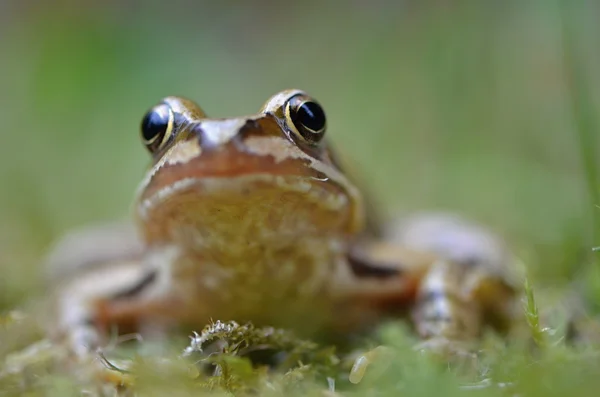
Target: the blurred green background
(487, 108)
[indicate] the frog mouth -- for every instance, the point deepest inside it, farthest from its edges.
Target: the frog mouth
(239, 194)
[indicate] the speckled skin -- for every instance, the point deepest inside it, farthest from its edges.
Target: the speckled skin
(244, 219)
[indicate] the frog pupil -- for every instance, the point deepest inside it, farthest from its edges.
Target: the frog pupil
(154, 124)
(311, 116)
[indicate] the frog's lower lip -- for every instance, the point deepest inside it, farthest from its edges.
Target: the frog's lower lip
(253, 206)
(286, 195)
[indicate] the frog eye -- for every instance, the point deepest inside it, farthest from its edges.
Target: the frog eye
(306, 118)
(157, 126)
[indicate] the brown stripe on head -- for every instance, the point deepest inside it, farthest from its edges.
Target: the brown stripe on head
(215, 172)
(256, 175)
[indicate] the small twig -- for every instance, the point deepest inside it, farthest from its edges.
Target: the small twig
(110, 365)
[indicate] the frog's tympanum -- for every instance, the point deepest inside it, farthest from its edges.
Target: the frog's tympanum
(253, 219)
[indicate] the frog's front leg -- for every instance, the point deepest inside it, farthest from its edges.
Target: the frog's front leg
(455, 281)
(471, 284)
(82, 320)
(454, 302)
(104, 280)
(446, 299)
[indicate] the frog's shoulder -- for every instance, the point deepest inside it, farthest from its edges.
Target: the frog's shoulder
(457, 238)
(374, 214)
(91, 247)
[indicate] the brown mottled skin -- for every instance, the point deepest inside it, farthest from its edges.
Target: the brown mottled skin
(251, 219)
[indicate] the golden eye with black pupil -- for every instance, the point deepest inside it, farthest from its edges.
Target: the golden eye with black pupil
(305, 118)
(157, 126)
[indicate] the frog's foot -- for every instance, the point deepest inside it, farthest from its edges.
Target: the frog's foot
(97, 371)
(84, 358)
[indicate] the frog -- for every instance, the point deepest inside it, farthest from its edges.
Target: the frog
(254, 219)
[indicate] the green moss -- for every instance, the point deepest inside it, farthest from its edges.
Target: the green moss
(231, 359)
